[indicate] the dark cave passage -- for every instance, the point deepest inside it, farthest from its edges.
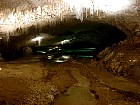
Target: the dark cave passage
(84, 33)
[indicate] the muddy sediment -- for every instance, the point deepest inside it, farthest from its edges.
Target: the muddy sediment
(73, 82)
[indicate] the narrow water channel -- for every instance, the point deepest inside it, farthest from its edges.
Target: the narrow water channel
(78, 94)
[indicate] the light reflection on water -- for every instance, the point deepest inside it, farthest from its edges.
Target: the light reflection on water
(64, 58)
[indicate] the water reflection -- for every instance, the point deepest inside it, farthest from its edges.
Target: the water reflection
(63, 55)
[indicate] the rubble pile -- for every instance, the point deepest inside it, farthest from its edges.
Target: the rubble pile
(122, 59)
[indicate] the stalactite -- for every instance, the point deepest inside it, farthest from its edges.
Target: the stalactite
(44, 12)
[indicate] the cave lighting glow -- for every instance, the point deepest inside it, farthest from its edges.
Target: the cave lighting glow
(112, 5)
(105, 5)
(37, 38)
(54, 9)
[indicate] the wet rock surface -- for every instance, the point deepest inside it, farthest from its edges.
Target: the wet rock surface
(113, 80)
(78, 94)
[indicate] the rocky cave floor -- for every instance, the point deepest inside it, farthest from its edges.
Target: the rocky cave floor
(32, 82)
(113, 80)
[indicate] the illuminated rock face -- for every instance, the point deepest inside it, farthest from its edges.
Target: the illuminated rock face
(123, 59)
(42, 12)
